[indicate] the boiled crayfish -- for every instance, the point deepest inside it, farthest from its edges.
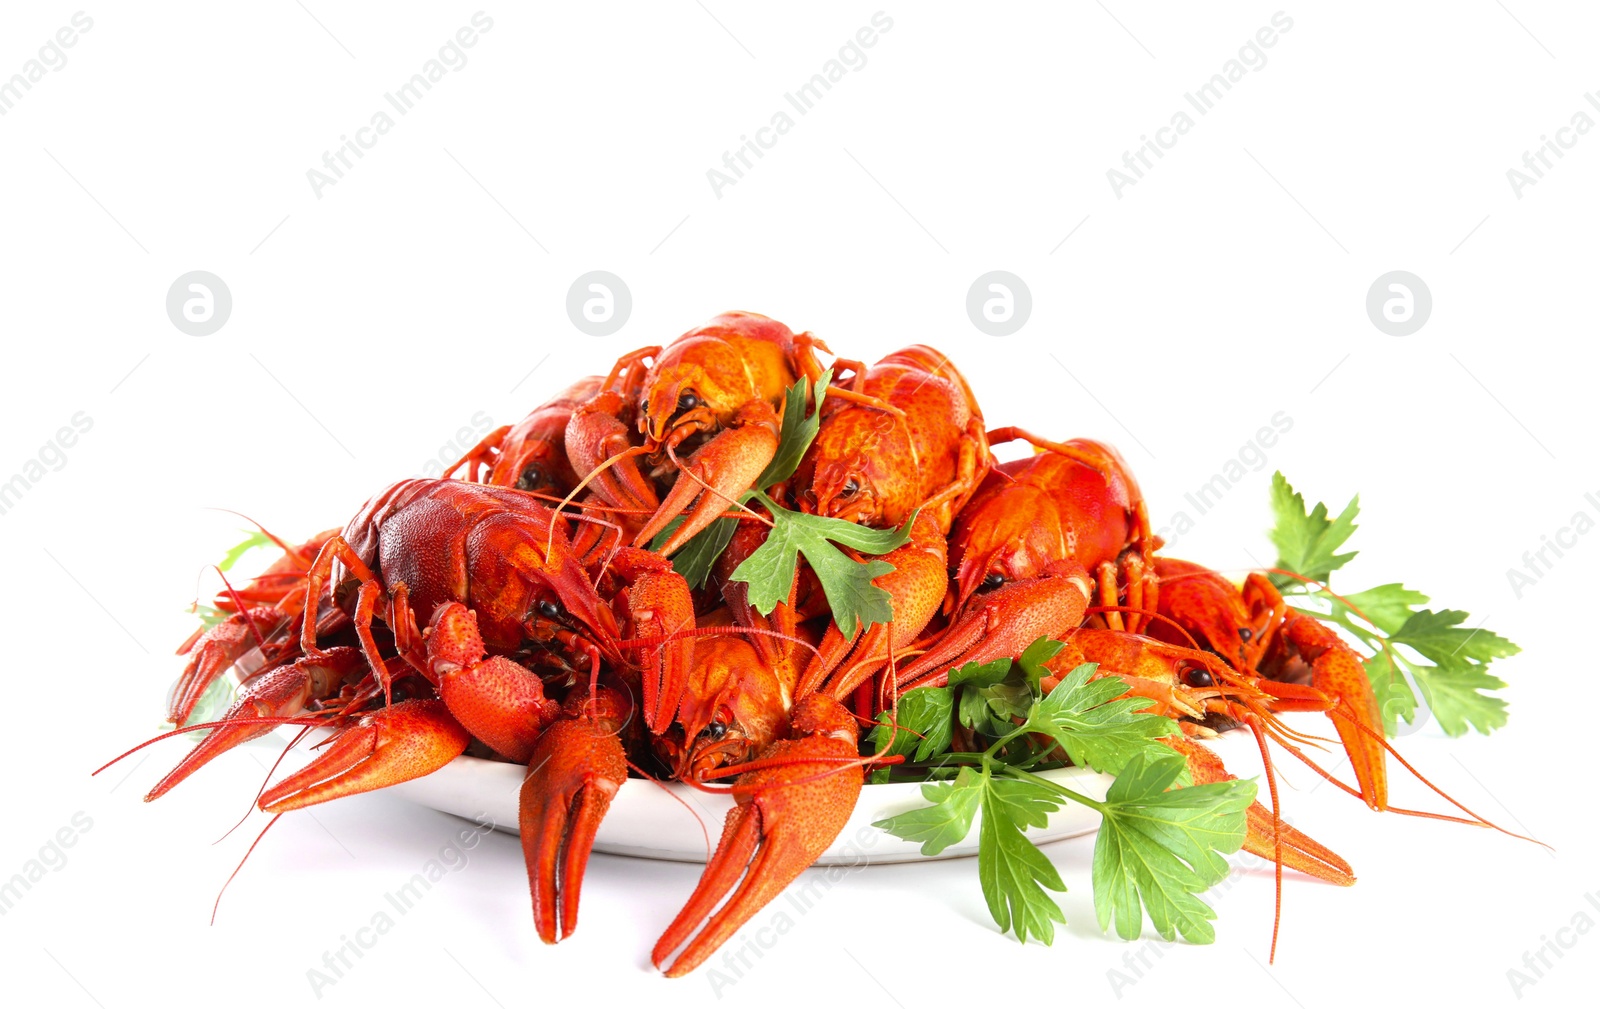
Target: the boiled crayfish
(534, 607)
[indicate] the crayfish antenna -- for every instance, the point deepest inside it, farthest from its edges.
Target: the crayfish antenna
(264, 782)
(706, 834)
(1441, 793)
(1277, 839)
(200, 727)
(1474, 821)
(218, 903)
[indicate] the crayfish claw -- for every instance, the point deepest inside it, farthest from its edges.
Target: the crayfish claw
(1002, 624)
(495, 699)
(215, 651)
(791, 806)
(388, 746)
(576, 768)
(660, 609)
(712, 479)
(1337, 673)
(267, 700)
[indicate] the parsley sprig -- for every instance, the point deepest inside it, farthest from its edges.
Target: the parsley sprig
(769, 570)
(1409, 648)
(990, 731)
(209, 615)
(221, 694)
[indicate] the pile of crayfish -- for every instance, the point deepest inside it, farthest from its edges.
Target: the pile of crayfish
(532, 604)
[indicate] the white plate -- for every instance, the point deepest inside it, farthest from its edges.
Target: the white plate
(647, 820)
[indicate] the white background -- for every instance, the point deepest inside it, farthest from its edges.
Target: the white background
(372, 323)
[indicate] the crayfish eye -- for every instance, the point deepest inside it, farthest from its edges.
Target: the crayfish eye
(1245, 634)
(549, 610)
(992, 582)
(850, 489)
(532, 478)
(1197, 676)
(715, 731)
(688, 401)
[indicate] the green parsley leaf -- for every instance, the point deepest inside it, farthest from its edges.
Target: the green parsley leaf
(1036, 655)
(1396, 700)
(984, 675)
(1386, 617)
(244, 546)
(1014, 873)
(1095, 728)
(210, 616)
(1387, 607)
(926, 720)
(948, 819)
(1159, 845)
(1306, 541)
(1161, 848)
(847, 583)
(695, 559)
(797, 432)
(1455, 696)
(1437, 636)
(990, 695)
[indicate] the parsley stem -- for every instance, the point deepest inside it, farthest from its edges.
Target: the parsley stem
(1000, 743)
(1017, 772)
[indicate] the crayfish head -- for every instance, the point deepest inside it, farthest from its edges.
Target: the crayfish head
(1202, 605)
(858, 471)
(732, 708)
(527, 587)
(842, 492)
(571, 620)
(533, 465)
(1032, 514)
(677, 403)
(1016, 546)
(533, 454)
(701, 380)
